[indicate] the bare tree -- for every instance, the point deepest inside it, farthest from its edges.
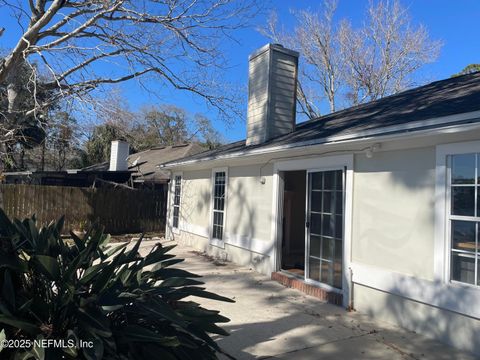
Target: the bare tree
(315, 39)
(84, 44)
(381, 57)
(350, 65)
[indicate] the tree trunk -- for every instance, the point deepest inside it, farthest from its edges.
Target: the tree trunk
(9, 119)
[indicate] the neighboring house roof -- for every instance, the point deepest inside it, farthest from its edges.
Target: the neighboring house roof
(407, 111)
(148, 160)
(103, 166)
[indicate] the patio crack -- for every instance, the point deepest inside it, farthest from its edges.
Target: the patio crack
(387, 344)
(314, 346)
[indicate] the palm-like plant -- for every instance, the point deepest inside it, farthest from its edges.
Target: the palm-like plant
(126, 306)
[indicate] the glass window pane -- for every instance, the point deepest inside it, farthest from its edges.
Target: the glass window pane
(316, 180)
(339, 180)
(176, 211)
(218, 218)
(463, 169)
(339, 202)
(327, 202)
(316, 224)
(316, 201)
(463, 268)
(337, 274)
(463, 200)
(314, 269)
(315, 246)
(327, 248)
(338, 250)
(463, 235)
(339, 227)
(220, 177)
(326, 272)
(329, 180)
(478, 200)
(327, 225)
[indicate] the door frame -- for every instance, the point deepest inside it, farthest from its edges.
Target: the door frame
(319, 163)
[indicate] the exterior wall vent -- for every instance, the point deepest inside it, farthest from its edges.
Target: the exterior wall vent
(272, 87)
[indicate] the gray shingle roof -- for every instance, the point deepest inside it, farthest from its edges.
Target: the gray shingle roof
(438, 99)
(149, 159)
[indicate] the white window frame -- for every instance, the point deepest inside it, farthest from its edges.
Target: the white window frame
(213, 241)
(176, 230)
(442, 242)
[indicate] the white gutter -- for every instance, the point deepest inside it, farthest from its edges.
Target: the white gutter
(384, 132)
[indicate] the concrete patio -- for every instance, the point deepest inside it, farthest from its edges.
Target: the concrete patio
(269, 321)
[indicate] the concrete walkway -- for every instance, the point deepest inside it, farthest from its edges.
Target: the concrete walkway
(269, 321)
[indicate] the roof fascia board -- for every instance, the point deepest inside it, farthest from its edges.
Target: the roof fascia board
(400, 130)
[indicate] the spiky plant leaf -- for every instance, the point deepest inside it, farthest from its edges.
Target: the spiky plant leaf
(128, 306)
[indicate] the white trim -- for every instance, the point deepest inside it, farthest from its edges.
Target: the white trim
(347, 229)
(168, 225)
(195, 229)
(276, 230)
(405, 130)
(323, 286)
(244, 242)
(452, 297)
(258, 246)
(441, 258)
(176, 230)
(213, 241)
(320, 164)
(217, 242)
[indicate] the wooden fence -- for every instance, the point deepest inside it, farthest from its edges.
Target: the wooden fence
(119, 210)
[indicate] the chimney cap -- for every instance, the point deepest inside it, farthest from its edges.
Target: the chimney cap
(276, 47)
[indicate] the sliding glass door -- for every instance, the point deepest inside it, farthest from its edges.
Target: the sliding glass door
(324, 235)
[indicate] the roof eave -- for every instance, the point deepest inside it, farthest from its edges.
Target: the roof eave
(389, 131)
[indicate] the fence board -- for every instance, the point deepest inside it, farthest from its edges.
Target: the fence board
(119, 210)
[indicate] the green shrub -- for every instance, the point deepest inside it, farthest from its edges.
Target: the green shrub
(126, 305)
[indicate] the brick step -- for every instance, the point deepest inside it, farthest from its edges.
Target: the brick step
(312, 290)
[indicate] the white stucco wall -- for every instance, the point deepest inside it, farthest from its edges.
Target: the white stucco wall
(247, 231)
(196, 194)
(393, 211)
(249, 207)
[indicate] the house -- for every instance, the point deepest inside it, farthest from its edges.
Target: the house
(115, 171)
(377, 205)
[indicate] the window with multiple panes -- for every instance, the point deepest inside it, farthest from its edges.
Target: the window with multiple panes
(326, 227)
(176, 200)
(464, 217)
(219, 204)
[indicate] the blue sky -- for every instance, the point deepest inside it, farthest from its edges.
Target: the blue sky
(455, 23)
